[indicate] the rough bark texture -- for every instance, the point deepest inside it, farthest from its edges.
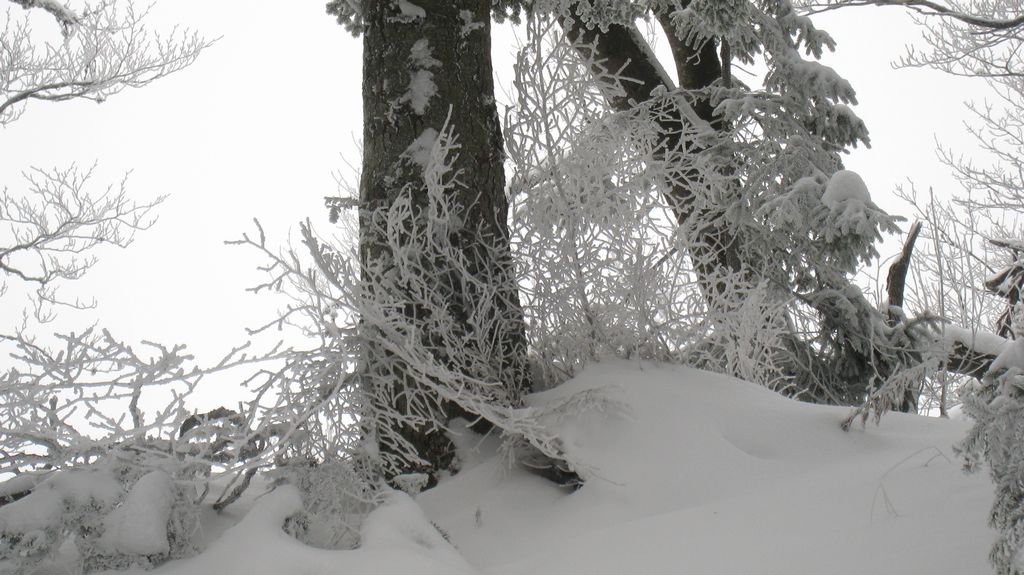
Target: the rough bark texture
(457, 33)
(697, 68)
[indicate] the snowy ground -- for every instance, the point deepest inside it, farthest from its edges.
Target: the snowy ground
(688, 473)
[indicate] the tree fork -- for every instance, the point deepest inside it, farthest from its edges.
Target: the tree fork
(623, 49)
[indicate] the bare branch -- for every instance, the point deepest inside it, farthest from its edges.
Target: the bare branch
(53, 229)
(926, 8)
(896, 281)
(109, 50)
(65, 16)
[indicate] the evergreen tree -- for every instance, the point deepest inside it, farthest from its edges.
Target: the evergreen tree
(745, 171)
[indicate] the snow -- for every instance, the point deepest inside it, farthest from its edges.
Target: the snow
(400, 525)
(469, 25)
(411, 482)
(44, 507)
(421, 80)
(845, 186)
(421, 150)
(139, 525)
(40, 510)
(1010, 358)
(411, 11)
(706, 474)
(87, 486)
(691, 473)
(984, 342)
(421, 90)
(397, 540)
(20, 483)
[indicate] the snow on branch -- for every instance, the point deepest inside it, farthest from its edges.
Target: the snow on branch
(952, 10)
(66, 405)
(111, 48)
(65, 16)
(52, 230)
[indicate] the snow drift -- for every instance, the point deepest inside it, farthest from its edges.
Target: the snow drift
(688, 472)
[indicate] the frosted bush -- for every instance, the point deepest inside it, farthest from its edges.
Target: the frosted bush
(603, 271)
(647, 232)
(124, 510)
(66, 503)
(395, 358)
(336, 497)
(997, 408)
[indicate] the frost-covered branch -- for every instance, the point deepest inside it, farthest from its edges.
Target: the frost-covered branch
(759, 178)
(52, 230)
(67, 405)
(65, 16)
(106, 48)
(972, 13)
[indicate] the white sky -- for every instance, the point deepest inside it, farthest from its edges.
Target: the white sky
(259, 124)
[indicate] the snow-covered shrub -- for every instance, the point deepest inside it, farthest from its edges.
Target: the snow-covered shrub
(71, 416)
(155, 521)
(748, 337)
(378, 371)
(336, 497)
(127, 508)
(997, 408)
(65, 503)
(71, 421)
(996, 405)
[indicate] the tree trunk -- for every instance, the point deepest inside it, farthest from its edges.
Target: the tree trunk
(623, 48)
(423, 66)
(896, 284)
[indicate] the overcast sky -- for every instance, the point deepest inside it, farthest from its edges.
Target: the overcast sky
(259, 124)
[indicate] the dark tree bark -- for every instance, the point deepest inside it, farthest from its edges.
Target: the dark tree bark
(896, 283)
(896, 280)
(450, 41)
(622, 48)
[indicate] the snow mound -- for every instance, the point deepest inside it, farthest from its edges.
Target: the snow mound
(845, 186)
(397, 540)
(45, 506)
(702, 473)
(399, 524)
(690, 472)
(40, 510)
(139, 525)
